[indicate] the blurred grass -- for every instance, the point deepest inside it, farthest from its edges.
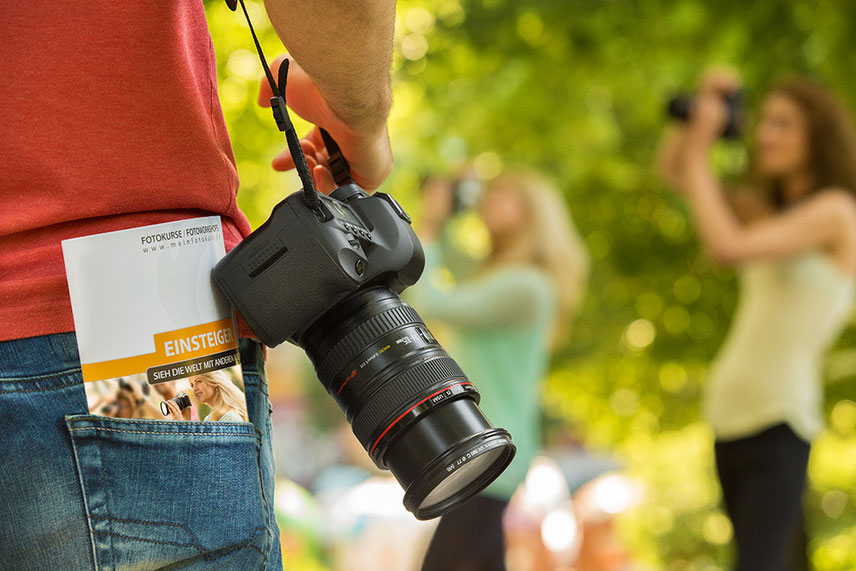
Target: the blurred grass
(577, 88)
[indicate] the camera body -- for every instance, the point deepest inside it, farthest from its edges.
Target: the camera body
(317, 257)
(681, 105)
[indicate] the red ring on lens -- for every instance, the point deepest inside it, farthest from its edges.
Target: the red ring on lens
(405, 413)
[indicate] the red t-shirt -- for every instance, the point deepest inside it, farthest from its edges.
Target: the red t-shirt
(109, 119)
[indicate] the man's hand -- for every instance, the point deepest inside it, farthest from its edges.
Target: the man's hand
(366, 148)
(707, 121)
(176, 413)
(710, 113)
(342, 83)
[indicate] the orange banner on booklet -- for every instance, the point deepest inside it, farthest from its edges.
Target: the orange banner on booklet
(176, 346)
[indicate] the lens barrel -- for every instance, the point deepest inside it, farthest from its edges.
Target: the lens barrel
(408, 402)
(181, 399)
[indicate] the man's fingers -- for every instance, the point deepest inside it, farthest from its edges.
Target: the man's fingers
(264, 88)
(264, 94)
(284, 161)
(321, 158)
(315, 136)
(310, 149)
(323, 179)
(321, 175)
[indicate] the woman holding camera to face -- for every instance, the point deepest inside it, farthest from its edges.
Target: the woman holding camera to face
(792, 235)
(216, 389)
(505, 319)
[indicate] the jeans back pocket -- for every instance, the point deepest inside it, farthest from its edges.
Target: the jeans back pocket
(175, 495)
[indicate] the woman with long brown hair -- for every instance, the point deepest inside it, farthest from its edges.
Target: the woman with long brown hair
(792, 234)
(505, 318)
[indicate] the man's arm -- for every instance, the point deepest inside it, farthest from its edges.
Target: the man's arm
(343, 49)
(346, 47)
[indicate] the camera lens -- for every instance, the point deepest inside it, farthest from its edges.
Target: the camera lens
(680, 107)
(407, 401)
(181, 399)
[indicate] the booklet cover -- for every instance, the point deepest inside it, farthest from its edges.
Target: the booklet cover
(156, 337)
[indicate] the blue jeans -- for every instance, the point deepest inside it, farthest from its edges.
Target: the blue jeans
(79, 491)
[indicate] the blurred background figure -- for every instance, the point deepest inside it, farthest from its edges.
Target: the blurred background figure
(505, 315)
(563, 516)
(791, 230)
(124, 397)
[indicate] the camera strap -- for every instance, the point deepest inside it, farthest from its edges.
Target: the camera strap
(336, 161)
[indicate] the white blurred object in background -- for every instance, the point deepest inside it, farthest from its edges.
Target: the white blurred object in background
(369, 529)
(548, 527)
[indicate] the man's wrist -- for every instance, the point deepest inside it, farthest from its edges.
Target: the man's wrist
(366, 117)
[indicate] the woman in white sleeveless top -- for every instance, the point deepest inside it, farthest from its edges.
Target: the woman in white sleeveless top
(793, 237)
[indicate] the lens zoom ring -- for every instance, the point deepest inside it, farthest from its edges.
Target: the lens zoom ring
(401, 391)
(359, 338)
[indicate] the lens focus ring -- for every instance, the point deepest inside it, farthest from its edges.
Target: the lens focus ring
(373, 416)
(361, 336)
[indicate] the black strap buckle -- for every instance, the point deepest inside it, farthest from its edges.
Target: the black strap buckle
(336, 160)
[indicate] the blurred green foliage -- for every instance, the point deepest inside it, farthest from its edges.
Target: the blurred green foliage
(577, 88)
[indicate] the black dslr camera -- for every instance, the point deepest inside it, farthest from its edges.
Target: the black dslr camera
(680, 107)
(324, 272)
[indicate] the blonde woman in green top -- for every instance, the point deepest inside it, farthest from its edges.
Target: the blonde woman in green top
(504, 319)
(793, 237)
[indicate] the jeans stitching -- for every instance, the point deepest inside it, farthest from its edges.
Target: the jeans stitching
(225, 550)
(157, 541)
(13, 391)
(143, 421)
(40, 377)
(105, 485)
(169, 433)
(257, 385)
(221, 551)
(166, 523)
(80, 478)
(255, 382)
(267, 506)
(259, 551)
